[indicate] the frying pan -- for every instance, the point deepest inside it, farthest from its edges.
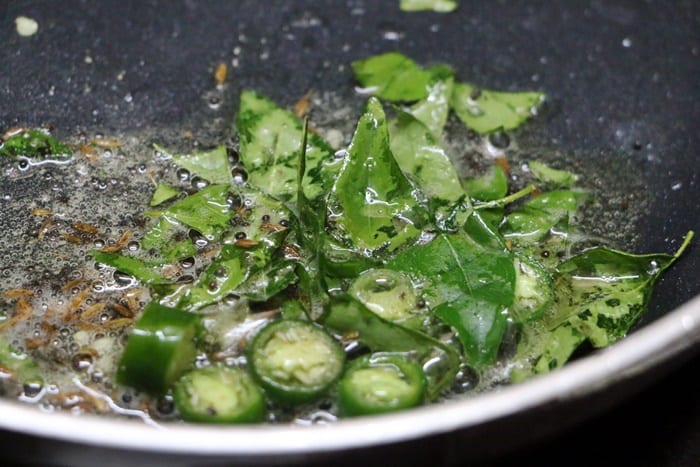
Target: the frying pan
(621, 77)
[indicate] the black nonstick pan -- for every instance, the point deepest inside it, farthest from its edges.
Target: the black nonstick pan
(622, 84)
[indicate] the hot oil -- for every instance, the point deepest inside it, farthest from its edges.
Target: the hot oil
(54, 214)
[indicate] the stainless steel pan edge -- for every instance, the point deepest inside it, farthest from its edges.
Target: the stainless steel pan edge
(665, 342)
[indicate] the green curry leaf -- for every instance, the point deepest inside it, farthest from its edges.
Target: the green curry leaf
(270, 139)
(439, 6)
(220, 279)
(599, 295)
(421, 158)
(168, 241)
(141, 270)
(396, 78)
(212, 165)
(207, 211)
(534, 220)
(469, 284)
(21, 366)
(554, 177)
(434, 109)
(163, 193)
(372, 203)
(490, 186)
(34, 143)
(487, 111)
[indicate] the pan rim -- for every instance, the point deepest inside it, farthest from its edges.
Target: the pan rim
(674, 334)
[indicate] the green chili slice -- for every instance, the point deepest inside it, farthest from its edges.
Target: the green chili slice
(219, 395)
(379, 383)
(295, 361)
(159, 350)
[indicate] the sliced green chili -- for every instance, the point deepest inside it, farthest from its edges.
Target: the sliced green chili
(295, 361)
(159, 350)
(219, 395)
(387, 293)
(381, 382)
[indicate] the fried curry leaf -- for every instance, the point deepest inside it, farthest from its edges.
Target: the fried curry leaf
(344, 262)
(346, 315)
(554, 177)
(141, 270)
(534, 292)
(534, 220)
(163, 193)
(434, 109)
(213, 166)
(251, 274)
(599, 295)
(487, 111)
(371, 203)
(439, 6)
(168, 241)
(33, 143)
(270, 139)
(395, 77)
(257, 219)
(490, 186)
(468, 284)
(538, 353)
(220, 279)
(309, 229)
(419, 156)
(206, 211)
(265, 283)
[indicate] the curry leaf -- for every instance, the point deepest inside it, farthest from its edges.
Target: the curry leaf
(34, 143)
(220, 279)
(371, 203)
(257, 218)
(20, 366)
(163, 193)
(309, 229)
(344, 262)
(207, 211)
(270, 139)
(490, 186)
(419, 156)
(212, 165)
(395, 77)
(168, 241)
(434, 109)
(535, 219)
(599, 295)
(265, 283)
(468, 285)
(487, 111)
(554, 177)
(440, 6)
(141, 270)
(542, 351)
(534, 292)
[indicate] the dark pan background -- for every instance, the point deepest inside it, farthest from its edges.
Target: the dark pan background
(623, 78)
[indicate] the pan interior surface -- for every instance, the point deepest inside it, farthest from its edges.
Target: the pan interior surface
(622, 90)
